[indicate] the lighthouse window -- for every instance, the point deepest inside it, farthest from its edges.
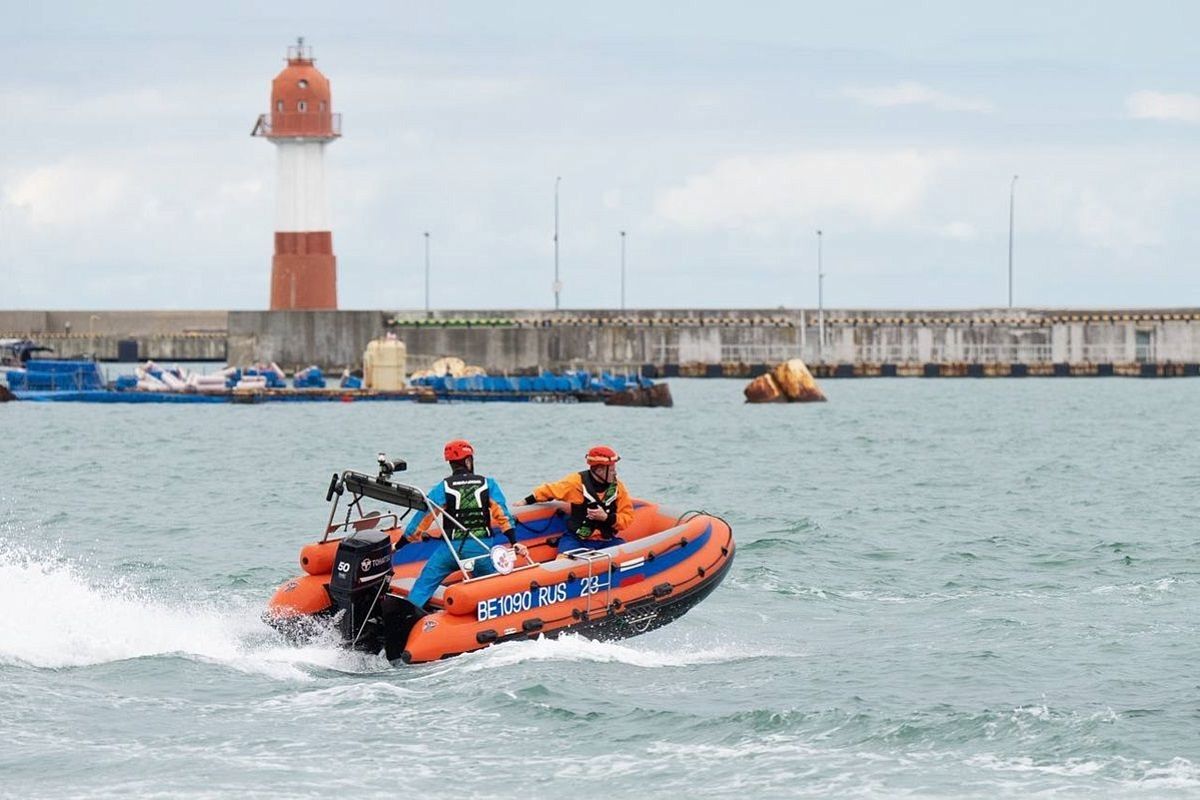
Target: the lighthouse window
(303, 84)
(303, 106)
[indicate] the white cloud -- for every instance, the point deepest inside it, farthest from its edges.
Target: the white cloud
(68, 193)
(910, 93)
(1164, 105)
(962, 231)
(761, 193)
(1102, 222)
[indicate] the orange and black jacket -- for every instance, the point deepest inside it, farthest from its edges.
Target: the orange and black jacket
(583, 491)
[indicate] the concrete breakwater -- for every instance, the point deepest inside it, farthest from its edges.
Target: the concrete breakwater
(666, 342)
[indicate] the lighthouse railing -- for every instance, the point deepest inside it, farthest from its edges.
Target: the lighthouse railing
(298, 123)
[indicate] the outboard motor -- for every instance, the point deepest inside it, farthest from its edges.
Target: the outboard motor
(362, 571)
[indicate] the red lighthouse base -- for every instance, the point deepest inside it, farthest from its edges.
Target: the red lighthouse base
(304, 272)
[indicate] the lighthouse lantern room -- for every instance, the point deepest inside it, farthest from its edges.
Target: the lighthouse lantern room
(300, 123)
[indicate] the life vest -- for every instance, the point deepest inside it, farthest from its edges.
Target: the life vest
(468, 501)
(595, 495)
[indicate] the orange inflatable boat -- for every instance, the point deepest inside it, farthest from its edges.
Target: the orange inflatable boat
(359, 575)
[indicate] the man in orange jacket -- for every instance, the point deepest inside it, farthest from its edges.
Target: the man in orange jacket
(600, 504)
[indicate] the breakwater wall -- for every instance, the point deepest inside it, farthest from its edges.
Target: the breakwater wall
(124, 335)
(673, 341)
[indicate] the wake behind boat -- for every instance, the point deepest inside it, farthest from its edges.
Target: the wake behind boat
(360, 574)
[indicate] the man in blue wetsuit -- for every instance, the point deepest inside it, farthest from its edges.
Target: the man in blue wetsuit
(477, 504)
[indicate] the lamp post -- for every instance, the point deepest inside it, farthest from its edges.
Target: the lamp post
(426, 273)
(622, 270)
(1012, 191)
(557, 282)
(91, 334)
(820, 303)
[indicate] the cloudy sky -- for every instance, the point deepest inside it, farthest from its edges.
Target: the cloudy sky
(720, 136)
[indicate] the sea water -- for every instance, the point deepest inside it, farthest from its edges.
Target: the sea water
(942, 588)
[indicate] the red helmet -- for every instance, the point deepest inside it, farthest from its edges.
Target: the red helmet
(457, 450)
(602, 456)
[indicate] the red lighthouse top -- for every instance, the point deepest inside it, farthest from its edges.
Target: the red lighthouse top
(301, 103)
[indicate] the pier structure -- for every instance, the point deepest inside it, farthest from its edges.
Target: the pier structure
(300, 124)
(660, 342)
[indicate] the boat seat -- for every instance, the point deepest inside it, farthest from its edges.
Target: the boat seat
(402, 586)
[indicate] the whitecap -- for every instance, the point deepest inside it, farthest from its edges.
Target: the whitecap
(58, 617)
(577, 648)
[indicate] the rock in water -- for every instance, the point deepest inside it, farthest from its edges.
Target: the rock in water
(660, 396)
(789, 382)
(764, 389)
(797, 382)
(5, 395)
(448, 365)
(656, 396)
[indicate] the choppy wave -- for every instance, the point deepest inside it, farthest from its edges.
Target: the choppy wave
(58, 616)
(578, 649)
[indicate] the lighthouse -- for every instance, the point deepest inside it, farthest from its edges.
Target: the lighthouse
(300, 123)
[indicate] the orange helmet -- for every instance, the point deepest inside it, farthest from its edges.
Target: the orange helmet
(457, 450)
(602, 456)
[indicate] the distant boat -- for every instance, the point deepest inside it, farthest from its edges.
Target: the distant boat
(15, 352)
(21, 371)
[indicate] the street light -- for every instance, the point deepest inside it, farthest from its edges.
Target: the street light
(557, 282)
(91, 335)
(426, 273)
(820, 303)
(1012, 191)
(622, 270)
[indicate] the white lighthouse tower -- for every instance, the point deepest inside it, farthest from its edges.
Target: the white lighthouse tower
(300, 123)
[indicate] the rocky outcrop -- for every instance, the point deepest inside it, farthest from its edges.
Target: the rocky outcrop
(789, 382)
(452, 366)
(656, 396)
(764, 389)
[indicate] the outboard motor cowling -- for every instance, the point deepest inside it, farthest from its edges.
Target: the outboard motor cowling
(362, 571)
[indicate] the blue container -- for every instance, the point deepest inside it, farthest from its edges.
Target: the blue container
(311, 378)
(55, 376)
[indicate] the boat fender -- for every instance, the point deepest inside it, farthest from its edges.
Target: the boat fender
(534, 586)
(317, 558)
(486, 637)
(700, 571)
(534, 624)
(650, 556)
(303, 595)
(662, 590)
(683, 541)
